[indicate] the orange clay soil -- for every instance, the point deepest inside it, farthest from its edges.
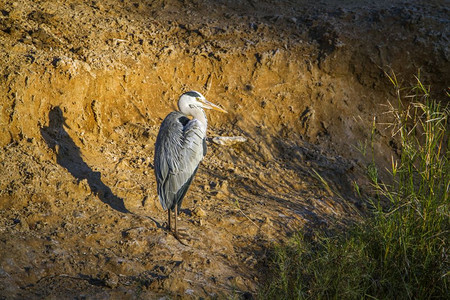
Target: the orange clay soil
(84, 86)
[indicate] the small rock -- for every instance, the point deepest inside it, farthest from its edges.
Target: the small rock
(110, 279)
(238, 282)
(224, 186)
(98, 5)
(212, 184)
(177, 257)
(199, 212)
(262, 176)
(83, 184)
(268, 221)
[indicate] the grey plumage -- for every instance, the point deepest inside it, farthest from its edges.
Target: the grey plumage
(180, 146)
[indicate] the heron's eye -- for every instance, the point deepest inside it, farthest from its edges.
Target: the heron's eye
(191, 105)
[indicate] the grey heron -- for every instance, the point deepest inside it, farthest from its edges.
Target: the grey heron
(180, 146)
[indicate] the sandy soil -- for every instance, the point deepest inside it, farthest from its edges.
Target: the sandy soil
(84, 86)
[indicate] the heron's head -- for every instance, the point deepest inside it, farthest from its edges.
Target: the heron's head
(193, 99)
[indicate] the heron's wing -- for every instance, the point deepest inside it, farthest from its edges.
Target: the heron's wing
(179, 149)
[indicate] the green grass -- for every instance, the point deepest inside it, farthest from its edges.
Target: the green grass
(401, 251)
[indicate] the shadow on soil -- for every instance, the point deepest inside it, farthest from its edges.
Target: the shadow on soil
(69, 157)
(317, 169)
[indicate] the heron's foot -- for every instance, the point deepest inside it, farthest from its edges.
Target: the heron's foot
(183, 230)
(180, 237)
(182, 233)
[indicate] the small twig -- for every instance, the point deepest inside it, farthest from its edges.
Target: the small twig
(237, 204)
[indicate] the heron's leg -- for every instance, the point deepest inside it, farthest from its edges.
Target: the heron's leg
(168, 215)
(176, 215)
(175, 227)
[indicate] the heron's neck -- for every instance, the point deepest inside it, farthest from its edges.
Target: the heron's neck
(200, 115)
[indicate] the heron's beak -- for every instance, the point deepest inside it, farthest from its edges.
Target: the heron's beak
(209, 105)
(65, 124)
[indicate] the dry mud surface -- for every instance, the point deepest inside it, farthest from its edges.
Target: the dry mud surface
(84, 86)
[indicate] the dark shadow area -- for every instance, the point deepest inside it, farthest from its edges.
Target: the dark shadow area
(312, 164)
(158, 224)
(69, 157)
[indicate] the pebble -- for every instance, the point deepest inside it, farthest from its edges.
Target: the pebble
(189, 292)
(268, 221)
(110, 279)
(199, 212)
(224, 186)
(238, 281)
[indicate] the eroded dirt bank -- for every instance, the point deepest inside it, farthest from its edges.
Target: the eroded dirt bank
(85, 85)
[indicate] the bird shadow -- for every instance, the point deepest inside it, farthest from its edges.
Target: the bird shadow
(68, 155)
